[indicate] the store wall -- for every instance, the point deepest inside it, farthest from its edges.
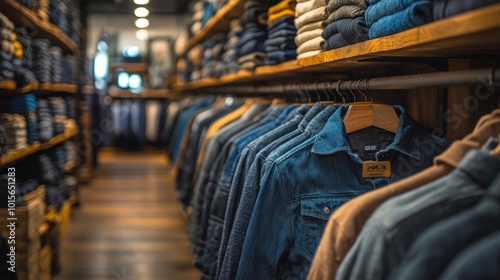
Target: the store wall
(124, 25)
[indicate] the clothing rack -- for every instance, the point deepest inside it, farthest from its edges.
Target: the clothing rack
(363, 86)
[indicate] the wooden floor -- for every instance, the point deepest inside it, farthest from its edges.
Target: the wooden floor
(129, 226)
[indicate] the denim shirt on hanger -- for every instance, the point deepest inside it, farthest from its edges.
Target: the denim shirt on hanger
(305, 185)
(235, 235)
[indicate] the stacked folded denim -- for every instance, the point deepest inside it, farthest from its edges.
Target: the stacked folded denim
(45, 126)
(386, 17)
(54, 196)
(15, 127)
(6, 48)
(70, 184)
(22, 189)
(195, 62)
(58, 111)
(197, 17)
(58, 157)
(27, 3)
(71, 72)
(71, 151)
(56, 64)
(25, 41)
(345, 24)
(71, 107)
(49, 174)
(3, 141)
(310, 15)
(251, 48)
(213, 49)
(64, 24)
(41, 60)
(55, 15)
(280, 44)
(41, 8)
(447, 8)
(24, 105)
(229, 62)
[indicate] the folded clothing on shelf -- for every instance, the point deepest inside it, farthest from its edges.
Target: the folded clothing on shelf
(387, 17)
(280, 44)
(45, 126)
(3, 140)
(56, 64)
(309, 17)
(447, 8)
(15, 128)
(22, 189)
(27, 3)
(251, 61)
(24, 105)
(41, 60)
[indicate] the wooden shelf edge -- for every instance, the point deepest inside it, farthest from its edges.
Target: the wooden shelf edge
(57, 35)
(7, 85)
(432, 39)
(16, 155)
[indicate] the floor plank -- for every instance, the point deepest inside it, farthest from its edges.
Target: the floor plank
(129, 225)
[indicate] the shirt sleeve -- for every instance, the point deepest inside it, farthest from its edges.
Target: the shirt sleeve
(268, 232)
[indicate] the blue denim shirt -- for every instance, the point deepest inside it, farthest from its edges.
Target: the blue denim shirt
(249, 190)
(306, 184)
(218, 207)
(248, 155)
(205, 200)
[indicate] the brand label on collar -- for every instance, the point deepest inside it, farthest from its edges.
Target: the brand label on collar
(376, 169)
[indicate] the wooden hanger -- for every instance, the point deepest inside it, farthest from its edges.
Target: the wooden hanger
(496, 151)
(366, 114)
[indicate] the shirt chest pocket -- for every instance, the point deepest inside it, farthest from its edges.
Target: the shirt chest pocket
(315, 212)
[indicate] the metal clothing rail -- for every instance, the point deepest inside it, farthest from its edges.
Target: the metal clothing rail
(406, 82)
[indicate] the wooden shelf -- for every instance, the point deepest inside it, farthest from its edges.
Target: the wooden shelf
(220, 22)
(473, 33)
(116, 92)
(7, 85)
(16, 155)
(57, 87)
(22, 16)
(70, 165)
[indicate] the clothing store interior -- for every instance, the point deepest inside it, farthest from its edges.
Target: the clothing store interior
(249, 139)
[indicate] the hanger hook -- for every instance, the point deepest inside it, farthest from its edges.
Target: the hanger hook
(368, 91)
(316, 90)
(362, 93)
(330, 91)
(350, 90)
(338, 91)
(326, 94)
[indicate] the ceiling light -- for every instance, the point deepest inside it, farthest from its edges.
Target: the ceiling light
(141, 2)
(142, 34)
(142, 23)
(141, 12)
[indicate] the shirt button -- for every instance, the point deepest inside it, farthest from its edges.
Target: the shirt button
(326, 210)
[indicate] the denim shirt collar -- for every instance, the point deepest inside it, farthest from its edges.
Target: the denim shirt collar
(315, 109)
(481, 166)
(332, 139)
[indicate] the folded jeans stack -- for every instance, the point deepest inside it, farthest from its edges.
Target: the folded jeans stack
(24, 105)
(22, 189)
(386, 17)
(345, 24)
(58, 111)
(6, 48)
(71, 151)
(24, 75)
(195, 62)
(213, 49)
(70, 69)
(309, 17)
(254, 23)
(230, 55)
(45, 127)
(71, 107)
(56, 64)
(58, 157)
(41, 60)
(280, 44)
(15, 127)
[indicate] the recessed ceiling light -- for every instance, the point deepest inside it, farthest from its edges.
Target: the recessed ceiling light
(141, 2)
(141, 12)
(142, 23)
(142, 34)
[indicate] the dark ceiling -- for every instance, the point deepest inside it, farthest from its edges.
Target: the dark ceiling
(128, 6)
